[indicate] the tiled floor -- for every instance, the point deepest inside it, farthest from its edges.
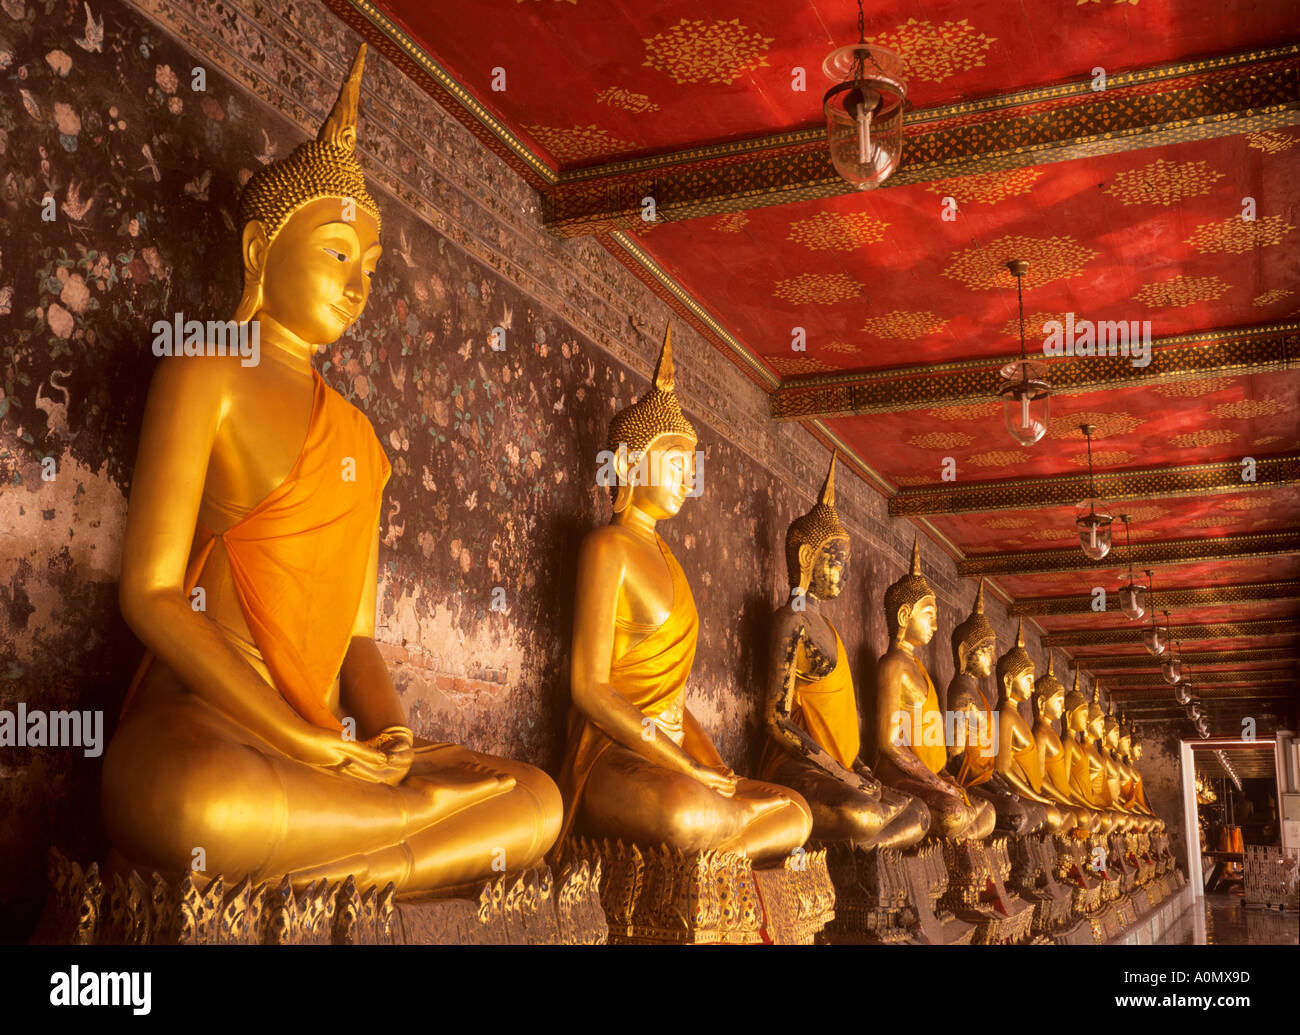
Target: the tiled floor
(1222, 919)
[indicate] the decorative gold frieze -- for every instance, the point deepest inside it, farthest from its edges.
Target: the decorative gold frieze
(1182, 633)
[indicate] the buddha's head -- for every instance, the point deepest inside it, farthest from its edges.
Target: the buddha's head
(1110, 728)
(1076, 708)
(1049, 693)
(974, 641)
(653, 447)
(911, 613)
(1136, 748)
(1125, 739)
(817, 546)
(1016, 669)
(1096, 716)
(309, 230)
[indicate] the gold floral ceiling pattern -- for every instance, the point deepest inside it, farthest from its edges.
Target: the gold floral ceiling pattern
(817, 289)
(1204, 437)
(999, 458)
(1163, 183)
(792, 365)
(1033, 323)
(942, 440)
(968, 411)
(1103, 458)
(1247, 408)
(1180, 291)
(936, 52)
(617, 97)
(695, 51)
(1236, 236)
(579, 143)
(841, 346)
(987, 188)
(983, 267)
(838, 231)
(1193, 389)
(1271, 142)
(1002, 523)
(1245, 503)
(731, 223)
(1106, 424)
(899, 324)
(1271, 297)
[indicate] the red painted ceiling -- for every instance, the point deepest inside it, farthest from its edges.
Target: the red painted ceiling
(587, 82)
(879, 280)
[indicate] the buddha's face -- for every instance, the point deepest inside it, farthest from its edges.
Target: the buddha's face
(1137, 751)
(661, 483)
(316, 274)
(828, 570)
(1077, 718)
(979, 662)
(1125, 747)
(918, 621)
(1021, 685)
(1111, 734)
(1051, 706)
(1096, 723)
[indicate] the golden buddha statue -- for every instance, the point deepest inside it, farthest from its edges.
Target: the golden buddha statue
(1018, 766)
(638, 765)
(1109, 747)
(811, 711)
(1156, 822)
(1098, 778)
(1124, 755)
(976, 748)
(910, 740)
(1077, 761)
(1049, 705)
(249, 571)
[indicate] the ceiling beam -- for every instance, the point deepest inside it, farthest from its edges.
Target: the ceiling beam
(1060, 490)
(1179, 633)
(1282, 677)
(1173, 599)
(1249, 656)
(1185, 357)
(1195, 100)
(1146, 555)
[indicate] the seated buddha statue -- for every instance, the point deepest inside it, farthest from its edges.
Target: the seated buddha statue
(1078, 761)
(1115, 775)
(638, 764)
(811, 710)
(910, 740)
(1156, 822)
(1124, 755)
(1049, 705)
(1018, 764)
(974, 752)
(262, 728)
(1094, 751)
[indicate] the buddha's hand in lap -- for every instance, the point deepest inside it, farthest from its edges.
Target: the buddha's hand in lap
(867, 783)
(380, 759)
(720, 779)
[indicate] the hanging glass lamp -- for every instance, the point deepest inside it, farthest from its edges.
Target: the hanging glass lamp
(1133, 597)
(1094, 519)
(1025, 391)
(864, 110)
(1172, 669)
(1152, 636)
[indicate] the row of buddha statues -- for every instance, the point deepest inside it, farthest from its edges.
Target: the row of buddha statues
(262, 487)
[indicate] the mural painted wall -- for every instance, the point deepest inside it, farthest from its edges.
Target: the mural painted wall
(493, 452)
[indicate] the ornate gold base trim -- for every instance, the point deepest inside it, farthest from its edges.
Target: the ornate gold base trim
(660, 895)
(977, 892)
(927, 882)
(872, 897)
(523, 909)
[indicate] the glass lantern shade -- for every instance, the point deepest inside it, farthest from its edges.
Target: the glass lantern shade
(1182, 694)
(1193, 709)
(1133, 600)
(1204, 732)
(864, 113)
(1172, 670)
(1026, 400)
(1154, 639)
(1093, 523)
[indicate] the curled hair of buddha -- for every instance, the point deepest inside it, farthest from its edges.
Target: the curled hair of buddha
(814, 530)
(1016, 660)
(1047, 686)
(1094, 706)
(326, 167)
(972, 633)
(908, 591)
(655, 415)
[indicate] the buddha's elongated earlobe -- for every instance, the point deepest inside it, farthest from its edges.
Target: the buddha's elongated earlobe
(252, 250)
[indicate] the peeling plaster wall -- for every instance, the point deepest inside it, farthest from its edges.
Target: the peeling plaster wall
(493, 452)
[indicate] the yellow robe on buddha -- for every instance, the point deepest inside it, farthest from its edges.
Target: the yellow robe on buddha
(827, 708)
(934, 756)
(651, 675)
(299, 558)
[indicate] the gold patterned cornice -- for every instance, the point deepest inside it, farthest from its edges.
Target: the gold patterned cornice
(1249, 656)
(1199, 100)
(1222, 680)
(1148, 555)
(1181, 633)
(1065, 489)
(1186, 357)
(1174, 599)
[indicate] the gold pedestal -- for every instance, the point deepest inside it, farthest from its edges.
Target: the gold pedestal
(977, 892)
(530, 908)
(927, 883)
(661, 895)
(871, 897)
(1034, 879)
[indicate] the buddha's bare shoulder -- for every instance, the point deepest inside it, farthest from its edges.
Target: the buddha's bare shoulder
(203, 381)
